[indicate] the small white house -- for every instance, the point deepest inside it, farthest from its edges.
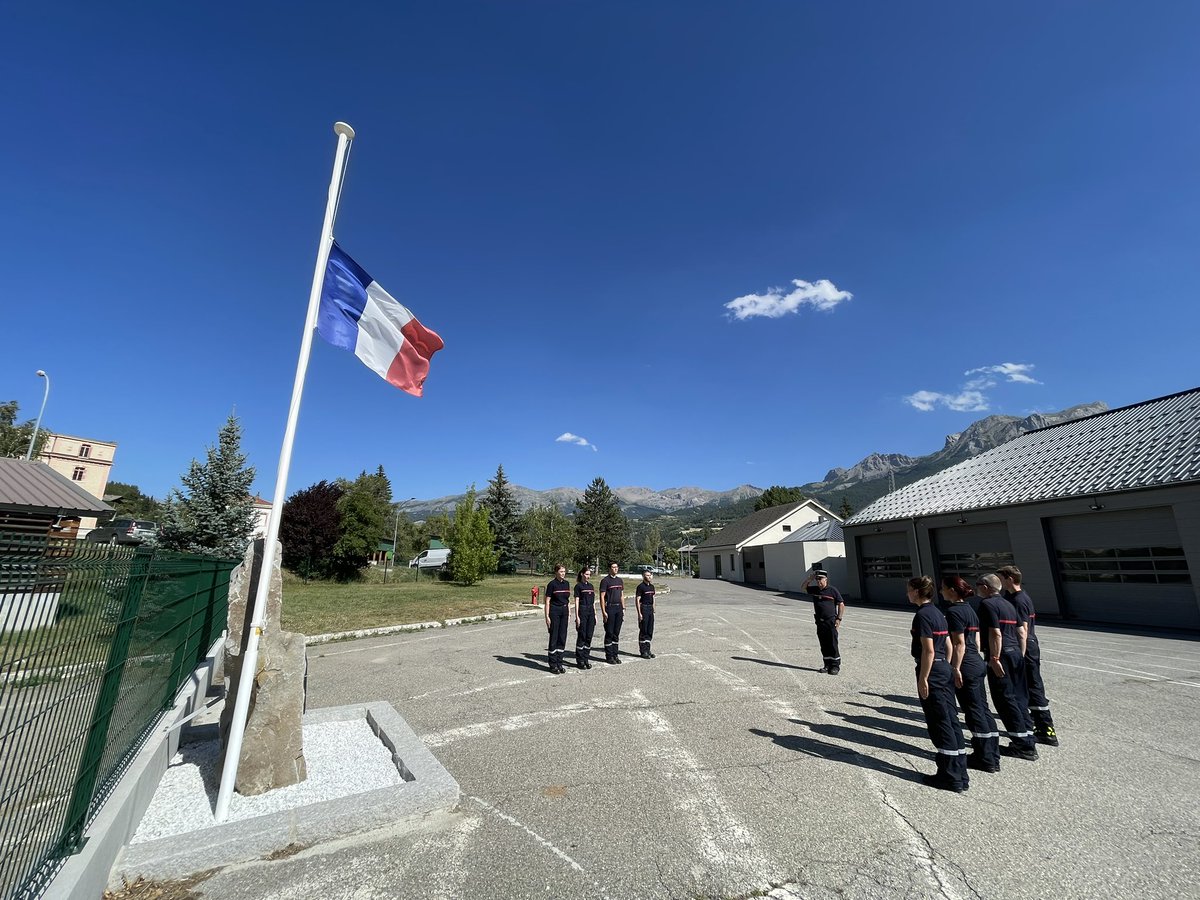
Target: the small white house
(738, 551)
(818, 544)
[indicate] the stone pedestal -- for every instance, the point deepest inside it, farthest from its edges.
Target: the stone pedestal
(273, 746)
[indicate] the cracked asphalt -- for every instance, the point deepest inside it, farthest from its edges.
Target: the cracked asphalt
(730, 767)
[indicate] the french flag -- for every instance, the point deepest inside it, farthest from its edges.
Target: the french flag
(358, 315)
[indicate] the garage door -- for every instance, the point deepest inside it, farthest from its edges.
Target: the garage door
(755, 570)
(1126, 567)
(885, 562)
(969, 551)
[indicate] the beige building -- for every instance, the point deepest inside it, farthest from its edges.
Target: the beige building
(739, 551)
(86, 462)
(262, 517)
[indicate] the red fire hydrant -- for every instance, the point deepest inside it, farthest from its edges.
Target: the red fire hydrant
(533, 599)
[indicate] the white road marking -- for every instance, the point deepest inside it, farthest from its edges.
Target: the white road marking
(527, 720)
(1128, 673)
(741, 686)
(1092, 656)
(490, 687)
(454, 864)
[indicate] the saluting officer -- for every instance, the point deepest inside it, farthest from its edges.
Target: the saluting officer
(970, 675)
(612, 592)
(828, 608)
(935, 688)
(1003, 636)
(585, 617)
(1039, 703)
(644, 600)
(558, 610)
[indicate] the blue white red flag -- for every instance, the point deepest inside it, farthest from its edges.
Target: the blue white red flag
(358, 315)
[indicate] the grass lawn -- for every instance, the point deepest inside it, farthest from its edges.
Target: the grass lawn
(321, 607)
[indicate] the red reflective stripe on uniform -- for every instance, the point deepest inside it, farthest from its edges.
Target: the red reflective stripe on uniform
(939, 633)
(1008, 621)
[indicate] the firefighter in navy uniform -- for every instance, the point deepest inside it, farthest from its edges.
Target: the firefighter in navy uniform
(558, 611)
(970, 675)
(935, 688)
(585, 618)
(612, 608)
(828, 608)
(644, 599)
(1002, 638)
(1039, 703)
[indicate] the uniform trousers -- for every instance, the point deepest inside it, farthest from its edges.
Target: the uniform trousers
(612, 630)
(827, 634)
(583, 635)
(1039, 704)
(941, 718)
(972, 700)
(1011, 698)
(558, 634)
(646, 630)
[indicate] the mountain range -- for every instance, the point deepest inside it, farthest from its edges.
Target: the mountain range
(858, 485)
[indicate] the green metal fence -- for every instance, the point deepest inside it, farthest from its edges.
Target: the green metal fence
(95, 642)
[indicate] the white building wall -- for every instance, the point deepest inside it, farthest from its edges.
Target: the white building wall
(788, 565)
(708, 567)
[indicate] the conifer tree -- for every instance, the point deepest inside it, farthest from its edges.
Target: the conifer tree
(601, 529)
(214, 513)
(845, 510)
(470, 541)
(503, 516)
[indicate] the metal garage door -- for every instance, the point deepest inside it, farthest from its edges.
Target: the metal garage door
(1125, 566)
(885, 562)
(969, 551)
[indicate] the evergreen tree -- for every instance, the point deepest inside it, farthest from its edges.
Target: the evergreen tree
(777, 495)
(133, 503)
(366, 519)
(503, 517)
(470, 541)
(845, 510)
(310, 529)
(601, 529)
(548, 535)
(14, 438)
(214, 513)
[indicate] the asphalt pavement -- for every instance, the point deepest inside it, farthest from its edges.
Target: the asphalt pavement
(729, 766)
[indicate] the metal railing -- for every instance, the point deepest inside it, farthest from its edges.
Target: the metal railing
(95, 642)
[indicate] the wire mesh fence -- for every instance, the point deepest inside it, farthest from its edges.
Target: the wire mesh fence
(95, 642)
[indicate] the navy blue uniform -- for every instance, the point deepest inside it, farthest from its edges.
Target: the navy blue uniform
(558, 601)
(585, 603)
(1009, 693)
(1039, 703)
(972, 696)
(825, 608)
(611, 591)
(941, 716)
(645, 597)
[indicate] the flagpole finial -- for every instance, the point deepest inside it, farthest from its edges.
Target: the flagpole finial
(343, 128)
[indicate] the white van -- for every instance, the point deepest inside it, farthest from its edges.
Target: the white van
(430, 559)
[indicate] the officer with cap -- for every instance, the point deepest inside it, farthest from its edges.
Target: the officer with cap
(828, 608)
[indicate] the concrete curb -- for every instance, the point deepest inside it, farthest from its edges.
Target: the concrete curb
(416, 626)
(427, 787)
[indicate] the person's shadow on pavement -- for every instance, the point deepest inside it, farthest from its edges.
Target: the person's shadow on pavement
(771, 662)
(824, 750)
(527, 661)
(865, 738)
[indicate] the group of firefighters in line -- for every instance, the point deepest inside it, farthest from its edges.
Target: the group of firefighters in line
(951, 667)
(946, 646)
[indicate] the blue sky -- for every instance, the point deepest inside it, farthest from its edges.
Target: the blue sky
(719, 242)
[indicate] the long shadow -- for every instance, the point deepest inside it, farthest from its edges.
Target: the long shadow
(866, 738)
(837, 753)
(528, 661)
(894, 711)
(893, 698)
(771, 662)
(889, 726)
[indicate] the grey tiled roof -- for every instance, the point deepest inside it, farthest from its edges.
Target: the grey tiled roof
(1149, 444)
(29, 485)
(829, 530)
(744, 529)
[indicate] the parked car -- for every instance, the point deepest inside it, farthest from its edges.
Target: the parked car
(123, 531)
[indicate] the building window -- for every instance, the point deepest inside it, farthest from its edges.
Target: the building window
(969, 566)
(732, 564)
(1125, 565)
(78, 474)
(85, 450)
(787, 527)
(887, 567)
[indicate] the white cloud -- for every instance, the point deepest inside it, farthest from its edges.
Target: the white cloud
(568, 438)
(822, 295)
(964, 401)
(1018, 372)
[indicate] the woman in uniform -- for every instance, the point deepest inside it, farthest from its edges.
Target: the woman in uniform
(935, 688)
(970, 674)
(585, 618)
(558, 610)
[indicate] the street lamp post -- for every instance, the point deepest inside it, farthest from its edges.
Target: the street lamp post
(395, 532)
(38, 424)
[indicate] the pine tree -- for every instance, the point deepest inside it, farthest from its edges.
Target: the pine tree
(503, 517)
(470, 541)
(601, 529)
(845, 510)
(777, 495)
(214, 513)
(310, 528)
(133, 503)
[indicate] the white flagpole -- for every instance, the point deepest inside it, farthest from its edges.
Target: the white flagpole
(241, 709)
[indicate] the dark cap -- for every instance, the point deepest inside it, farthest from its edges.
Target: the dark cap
(821, 573)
